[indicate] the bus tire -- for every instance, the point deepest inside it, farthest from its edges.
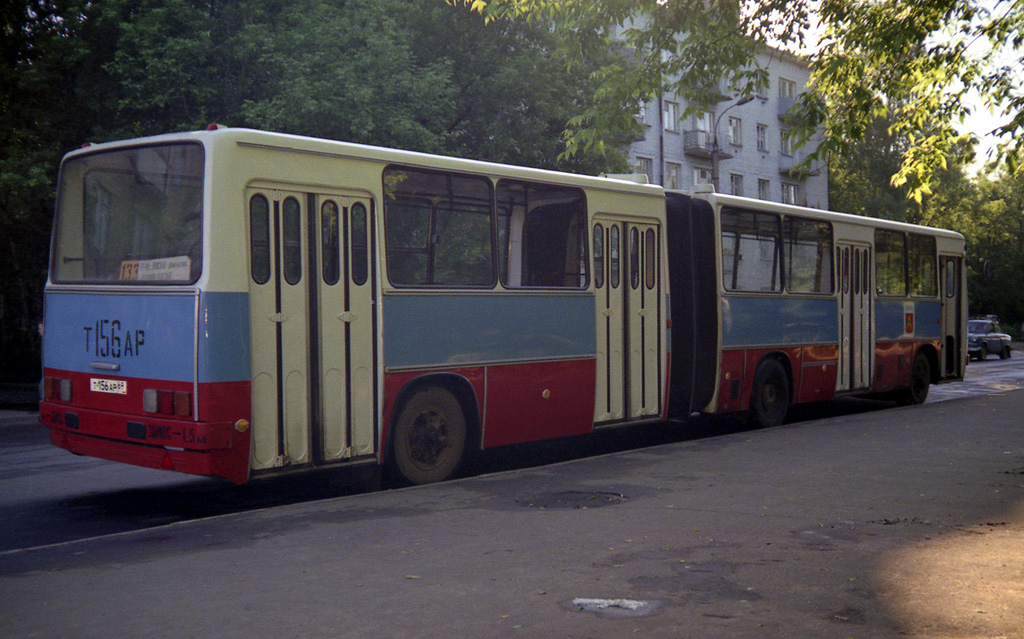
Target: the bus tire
(429, 437)
(769, 396)
(920, 380)
(1006, 352)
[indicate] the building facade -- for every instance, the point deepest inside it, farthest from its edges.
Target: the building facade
(739, 146)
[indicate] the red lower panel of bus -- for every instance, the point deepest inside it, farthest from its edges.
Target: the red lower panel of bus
(530, 402)
(520, 402)
(216, 448)
(894, 363)
(814, 371)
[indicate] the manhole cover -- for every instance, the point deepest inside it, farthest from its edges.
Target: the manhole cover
(572, 500)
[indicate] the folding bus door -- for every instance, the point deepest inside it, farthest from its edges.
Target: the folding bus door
(347, 388)
(952, 312)
(279, 328)
(628, 287)
(311, 325)
(856, 334)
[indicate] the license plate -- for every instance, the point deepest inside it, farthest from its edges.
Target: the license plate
(117, 386)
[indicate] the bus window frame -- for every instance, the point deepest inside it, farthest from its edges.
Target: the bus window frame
(431, 239)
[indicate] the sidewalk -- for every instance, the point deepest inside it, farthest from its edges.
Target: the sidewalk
(903, 522)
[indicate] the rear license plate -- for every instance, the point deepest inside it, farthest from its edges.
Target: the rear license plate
(117, 386)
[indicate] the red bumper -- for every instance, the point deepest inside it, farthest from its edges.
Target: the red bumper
(198, 448)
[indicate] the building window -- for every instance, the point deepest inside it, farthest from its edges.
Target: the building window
(786, 145)
(701, 175)
(671, 115)
(736, 184)
(790, 193)
(762, 138)
(702, 122)
(645, 166)
(736, 131)
(641, 114)
(673, 172)
(787, 88)
(764, 190)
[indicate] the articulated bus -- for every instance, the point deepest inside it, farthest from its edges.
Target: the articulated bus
(240, 304)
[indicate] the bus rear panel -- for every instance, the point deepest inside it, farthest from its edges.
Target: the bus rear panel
(140, 364)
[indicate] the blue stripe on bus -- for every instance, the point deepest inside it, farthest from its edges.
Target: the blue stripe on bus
(431, 330)
(890, 318)
(149, 336)
(224, 353)
(778, 321)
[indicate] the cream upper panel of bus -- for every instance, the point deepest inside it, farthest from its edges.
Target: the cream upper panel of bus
(237, 159)
(851, 227)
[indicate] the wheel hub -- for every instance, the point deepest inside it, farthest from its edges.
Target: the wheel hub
(428, 437)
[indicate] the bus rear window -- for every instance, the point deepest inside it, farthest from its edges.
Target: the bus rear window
(130, 216)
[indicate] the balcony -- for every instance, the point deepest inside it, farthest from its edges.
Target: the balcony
(789, 165)
(701, 144)
(785, 107)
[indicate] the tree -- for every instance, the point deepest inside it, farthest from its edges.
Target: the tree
(911, 62)
(417, 75)
(996, 247)
(511, 93)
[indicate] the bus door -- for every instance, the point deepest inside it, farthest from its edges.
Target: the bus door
(952, 311)
(856, 337)
(628, 285)
(347, 389)
(311, 307)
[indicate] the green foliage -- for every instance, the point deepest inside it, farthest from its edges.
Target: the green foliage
(912, 63)
(987, 210)
(996, 246)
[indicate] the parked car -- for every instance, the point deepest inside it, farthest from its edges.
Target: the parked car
(984, 336)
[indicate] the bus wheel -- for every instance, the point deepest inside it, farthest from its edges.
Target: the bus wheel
(769, 396)
(429, 437)
(920, 379)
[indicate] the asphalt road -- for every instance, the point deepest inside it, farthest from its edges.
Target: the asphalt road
(50, 496)
(900, 521)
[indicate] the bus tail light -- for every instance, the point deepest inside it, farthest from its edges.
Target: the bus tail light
(165, 402)
(55, 388)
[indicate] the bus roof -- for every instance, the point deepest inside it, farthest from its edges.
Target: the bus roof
(847, 218)
(253, 138)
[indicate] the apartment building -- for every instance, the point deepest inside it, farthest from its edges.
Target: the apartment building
(739, 145)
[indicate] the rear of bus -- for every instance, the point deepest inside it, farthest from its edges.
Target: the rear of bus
(142, 363)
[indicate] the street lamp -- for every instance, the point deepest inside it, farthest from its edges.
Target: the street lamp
(715, 150)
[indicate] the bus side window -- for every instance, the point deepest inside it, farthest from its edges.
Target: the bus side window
(438, 228)
(890, 262)
(543, 235)
(808, 255)
(923, 274)
(598, 256)
(259, 238)
(751, 250)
